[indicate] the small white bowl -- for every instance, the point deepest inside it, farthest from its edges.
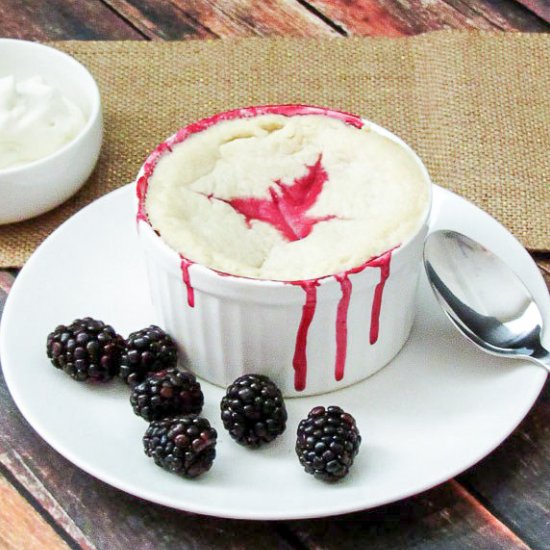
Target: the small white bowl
(310, 337)
(36, 187)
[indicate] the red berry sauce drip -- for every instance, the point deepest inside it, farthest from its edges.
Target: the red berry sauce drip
(308, 311)
(299, 362)
(342, 326)
(184, 265)
(383, 262)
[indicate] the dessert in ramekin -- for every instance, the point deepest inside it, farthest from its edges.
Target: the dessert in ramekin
(284, 240)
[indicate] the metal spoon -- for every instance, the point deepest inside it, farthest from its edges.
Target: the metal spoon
(484, 298)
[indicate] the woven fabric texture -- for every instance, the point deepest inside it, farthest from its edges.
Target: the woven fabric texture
(475, 106)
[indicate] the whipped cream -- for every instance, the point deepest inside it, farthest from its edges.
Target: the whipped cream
(35, 120)
(286, 197)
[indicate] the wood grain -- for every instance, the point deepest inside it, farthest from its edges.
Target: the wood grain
(12, 462)
(446, 517)
(178, 19)
(540, 7)
(395, 17)
(62, 20)
(6, 282)
(161, 20)
(21, 526)
(543, 261)
(507, 15)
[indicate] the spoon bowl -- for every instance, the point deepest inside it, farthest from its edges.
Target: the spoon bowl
(484, 298)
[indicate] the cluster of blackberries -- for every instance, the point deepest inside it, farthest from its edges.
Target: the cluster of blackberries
(170, 399)
(178, 439)
(88, 349)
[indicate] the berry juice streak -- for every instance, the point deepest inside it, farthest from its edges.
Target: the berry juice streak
(299, 361)
(184, 265)
(342, 326)
(308, 311)
(383, 262)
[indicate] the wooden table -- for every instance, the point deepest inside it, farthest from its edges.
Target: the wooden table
(47, 503)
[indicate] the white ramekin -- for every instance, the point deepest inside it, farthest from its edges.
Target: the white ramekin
(226, 326)
(36, 187)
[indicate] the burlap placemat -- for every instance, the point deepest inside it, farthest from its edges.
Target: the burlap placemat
(475, 106)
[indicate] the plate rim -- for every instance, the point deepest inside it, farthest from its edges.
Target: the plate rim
(316, 511)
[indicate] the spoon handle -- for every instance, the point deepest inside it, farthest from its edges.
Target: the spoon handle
(542, 357)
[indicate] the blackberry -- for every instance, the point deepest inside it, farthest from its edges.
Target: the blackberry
(185, 445)
(86, 349)
(167, 393)
(253, 410)
(328, 441)
(147, 350)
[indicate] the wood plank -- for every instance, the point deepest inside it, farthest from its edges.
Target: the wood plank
(21, 526)
(4, 289)
(11, 461)
(543, 261)
(6, 280)
(446, 517)
(398, 17)
(540, 7)
(507, 15)
(160, 20)
(177, 19)
(63, 20)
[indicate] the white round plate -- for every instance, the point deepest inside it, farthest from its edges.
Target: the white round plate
(436, 409)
